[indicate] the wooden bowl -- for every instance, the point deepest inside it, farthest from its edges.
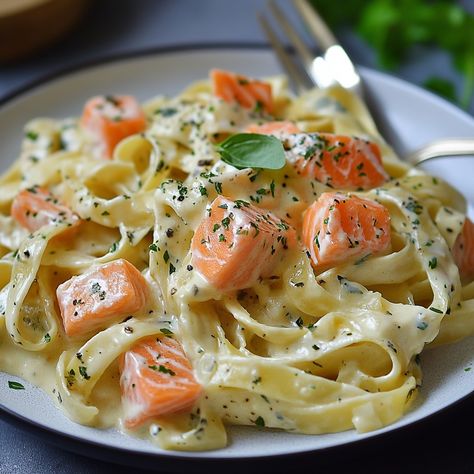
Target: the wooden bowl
(27, 26)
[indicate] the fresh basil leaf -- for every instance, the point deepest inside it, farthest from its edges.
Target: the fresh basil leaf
(252, 150)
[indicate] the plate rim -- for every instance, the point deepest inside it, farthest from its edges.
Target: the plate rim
(118, 454)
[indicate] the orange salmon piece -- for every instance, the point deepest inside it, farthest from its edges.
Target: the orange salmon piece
(337, 160)
(463, 250)
(278, 128)
(110, 119)
(338, 228)
(156, 379)
(88, 302)
(236, 243)
(249, 93)
(36, 207)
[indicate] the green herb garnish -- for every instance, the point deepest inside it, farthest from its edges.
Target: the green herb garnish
(162, 369)
(422, 325)
(31, 135)
(252, 150)
(83, 372)
(166, 111)
(260, 422)
(15, 385)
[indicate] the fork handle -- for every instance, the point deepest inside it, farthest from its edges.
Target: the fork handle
(442, 148)
(317, 26)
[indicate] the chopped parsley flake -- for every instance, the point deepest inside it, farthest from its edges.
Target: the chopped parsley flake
(272, 188)
(166, 332)
(226, 222)
(260, 422)
(218, 187)
(15, 385)
(31, 135)
(414, 206)
(83, 372)
(162, 369)
(166, 112)
(114, 246)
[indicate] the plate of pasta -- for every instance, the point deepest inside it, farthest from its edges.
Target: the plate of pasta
(195, 260)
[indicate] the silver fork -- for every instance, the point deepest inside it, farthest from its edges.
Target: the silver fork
(334, 66)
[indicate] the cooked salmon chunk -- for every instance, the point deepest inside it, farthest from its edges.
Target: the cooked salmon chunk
(36, 207)
(236, 243)
(110, 119)
(463, 250)
(90, 301)
(156, 379)
(337, 160)
(249, 93)
(338, 228)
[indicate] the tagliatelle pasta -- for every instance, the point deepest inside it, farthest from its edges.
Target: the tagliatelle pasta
(277, 340)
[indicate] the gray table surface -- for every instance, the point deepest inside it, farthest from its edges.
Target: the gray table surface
(116, 27)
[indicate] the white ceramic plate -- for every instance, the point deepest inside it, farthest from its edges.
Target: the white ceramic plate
(416, 116)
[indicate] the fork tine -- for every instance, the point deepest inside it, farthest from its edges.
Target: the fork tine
(334, 66)
(306, 55)
(301, 81)
(316, 25)
(442, 148)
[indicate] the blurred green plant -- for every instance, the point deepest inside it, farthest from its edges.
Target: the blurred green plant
(394, 27)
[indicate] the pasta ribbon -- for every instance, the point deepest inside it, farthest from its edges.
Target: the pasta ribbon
(288, 324)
